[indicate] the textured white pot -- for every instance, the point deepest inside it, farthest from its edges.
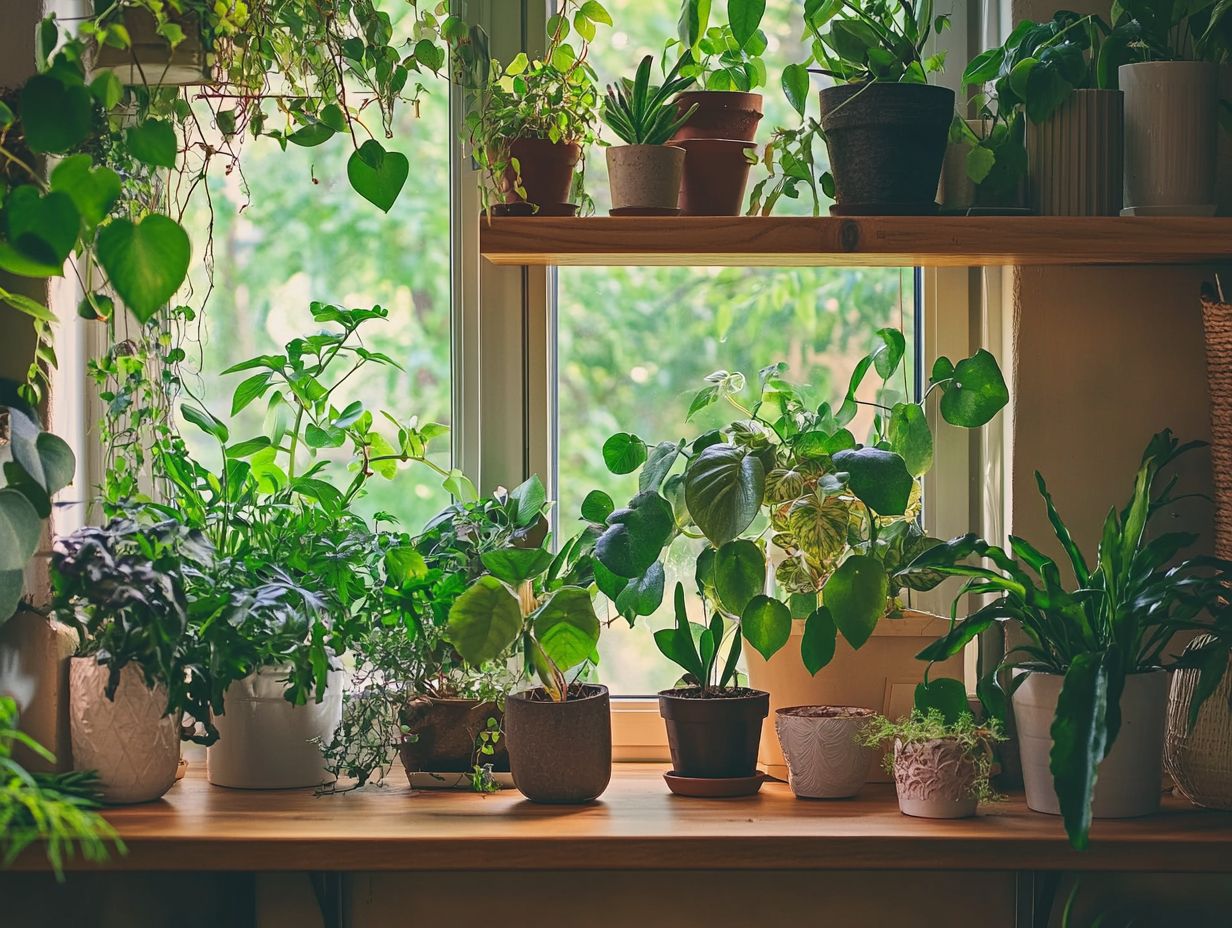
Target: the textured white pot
(1129, 778)
(825, 759)
(1171, 120)
(1075, 160)
(935, 779)
(645, 176)
(131, 742)
(264, 742)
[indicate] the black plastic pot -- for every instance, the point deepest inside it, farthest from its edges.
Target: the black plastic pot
(887, 143)
(560, 752)
(714, 737)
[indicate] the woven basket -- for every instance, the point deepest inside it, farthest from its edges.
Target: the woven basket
(1217, 321)
(1200, 759)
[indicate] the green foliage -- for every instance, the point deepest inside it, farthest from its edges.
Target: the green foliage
(54, 809)
(1170, 30)
(722, 57)
(873, 40)
(697, 649)
(1118, 618)
(642, 114)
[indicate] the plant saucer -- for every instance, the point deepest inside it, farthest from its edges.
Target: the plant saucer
(646, 211)
(714, 787)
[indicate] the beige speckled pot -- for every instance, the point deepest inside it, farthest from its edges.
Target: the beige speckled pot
(935, 779)
(132, 744)
(645, 176)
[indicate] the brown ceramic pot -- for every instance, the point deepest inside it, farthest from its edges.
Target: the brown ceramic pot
(546, 170)
(560, 752)
(445, 732)
(720, 114)
(887, 143)
(716, 171)
(714, 737)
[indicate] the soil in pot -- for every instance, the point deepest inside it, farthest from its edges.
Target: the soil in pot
(887, 143)
(713, 733)
(560, 752)
(546, 171)
(716, 172)
(645, 176)
(935, 779)
(825, 759)
(442, 735)
(720, 114)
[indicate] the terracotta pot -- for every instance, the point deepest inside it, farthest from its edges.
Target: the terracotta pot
(645, 176)
(151, 60)
(131, 741)
(720, 114)
(716, 172)
(1075, 163)
(1128, 782)
(714, 737)
(1171, 120)
(445, 732)
(886, 144)
(935, 779)
(546, 170)
(881, 676)
(560, 752)
(264, 742)
(825, 759)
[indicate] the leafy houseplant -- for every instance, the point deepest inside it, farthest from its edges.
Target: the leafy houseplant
(1094, 653)
(645, 172)
(530, 120)
(885, 126)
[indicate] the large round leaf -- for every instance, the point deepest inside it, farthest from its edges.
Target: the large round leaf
(636, 535)
(376, 174)
(566, 627)
(145, 263)
(624, 453)
(976, 393)
(723, 488)
(911, 437)
(820, 638)
(54, 116)
(41, 231)
(739, 574)
(766, 624)
(20, 528)
(879, 478)
(152, 141)
(484, 621)
(856, 596)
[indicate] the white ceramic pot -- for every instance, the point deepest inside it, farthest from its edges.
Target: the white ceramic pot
(1075, 160)
(935, 779)
(645, 176)
(825, 759)
(1129, 778)
(264, 742)
(1171, 121)
(131, 741)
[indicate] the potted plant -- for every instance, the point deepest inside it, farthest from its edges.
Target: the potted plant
(558, 733)
(885, 126)
(1171, 86)
(1090, 689)
(531, 120)
(122, 587)
(645, 172)
(941, 758)
(825, 757)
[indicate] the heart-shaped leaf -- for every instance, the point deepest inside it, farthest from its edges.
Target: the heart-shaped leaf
(597, 506)
(92, 190)
(40, 232)
(976, 392)
(635, 536)
(879, 478)
(153, 142)
(949, 697)
(376, 174)
(484, 621)
(55, 116)
(20, 528)
(739, 574)
(820, 638)
(911, 437)
(624, 453)
(724, 487)
(514, 565)
(145, 263)
(856, 596)
(566, 627)
(766, 624)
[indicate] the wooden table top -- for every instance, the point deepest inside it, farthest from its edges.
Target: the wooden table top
(635, 825)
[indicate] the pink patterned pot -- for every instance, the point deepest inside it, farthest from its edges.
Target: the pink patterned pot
(935, 779)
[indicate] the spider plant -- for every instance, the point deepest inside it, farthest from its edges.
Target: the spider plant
(642, 114)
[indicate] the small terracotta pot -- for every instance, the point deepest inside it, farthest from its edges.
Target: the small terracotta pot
(645, 176)
(935, 779)
(445, 732)
(713, 737)
(131, 741)
(560, 752)
(825, 759)
(720, 114)
(546, 170)
(716, 172)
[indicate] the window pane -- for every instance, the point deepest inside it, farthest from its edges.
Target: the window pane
(290, 230)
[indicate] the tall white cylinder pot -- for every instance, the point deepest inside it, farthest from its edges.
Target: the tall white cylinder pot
(264, 742)
(1128, 782)
(130, 740)
(1171, 124)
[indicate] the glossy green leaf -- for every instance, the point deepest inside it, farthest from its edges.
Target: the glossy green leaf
(92, 190)
(796, 86)
(766, 625)
(40, 232)
(204, 421)
(976, 393)
(624, 453)
(744, 17)
(484, 621)
(566, 627)
(145, 263)
(820, 640)
(947, 696)
(641, 595)
(724, 488)
(515, 565)
(880, 479)
(1080, 740)
(376, 174)
(55, 116)
(597, 506)
(856, 595)
(739, 574)
(20, 530)
(658, 464)
(153, 142)
(247, 391)
(527, 501)
(889, 355)
(911, 437)
(636, 535)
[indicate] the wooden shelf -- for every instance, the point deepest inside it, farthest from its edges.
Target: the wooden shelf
(877, 241)
(636, 825)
